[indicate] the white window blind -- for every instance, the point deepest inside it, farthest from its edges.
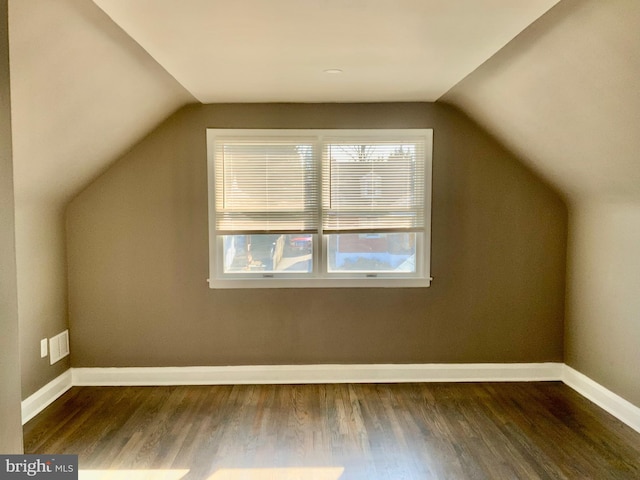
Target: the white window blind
(373, 184)
(319, 208)
(266, 185)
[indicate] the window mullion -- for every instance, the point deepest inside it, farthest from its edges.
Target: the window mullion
(320, 248)
(369, 201)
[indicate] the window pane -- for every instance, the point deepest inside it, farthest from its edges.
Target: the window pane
(376, 184)
(372, 252)
(265, 184)
(268, 253)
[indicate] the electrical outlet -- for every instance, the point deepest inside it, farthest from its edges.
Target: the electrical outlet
(59, 347)
(44, 350)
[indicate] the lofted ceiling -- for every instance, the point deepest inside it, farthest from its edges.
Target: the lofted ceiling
(555, 81)
(277, 50)
(565, 96)
(82, 93)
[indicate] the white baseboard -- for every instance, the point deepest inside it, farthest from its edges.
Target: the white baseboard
(301, 374)
(617, 406)
(298, 374)
(44, 397)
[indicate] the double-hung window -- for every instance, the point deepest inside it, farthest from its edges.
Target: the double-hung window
(319, 208)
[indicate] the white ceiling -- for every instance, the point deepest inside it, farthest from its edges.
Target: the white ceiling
(82, 92)
(564, 96)
(277, 50)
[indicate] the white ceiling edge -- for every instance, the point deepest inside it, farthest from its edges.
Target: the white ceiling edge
(259, 51)
(82, 93)
(563, 96)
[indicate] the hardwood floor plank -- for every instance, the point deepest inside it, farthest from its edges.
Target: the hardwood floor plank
(483, 431)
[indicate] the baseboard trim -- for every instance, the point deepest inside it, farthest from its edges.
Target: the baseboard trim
(299, 374)
(34, 404)
(617, 406)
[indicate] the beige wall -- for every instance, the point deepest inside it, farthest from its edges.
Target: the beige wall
(10, 425)
(83, 92)
(563, 94)
(603, 301)
(138, 259)
(42, 288)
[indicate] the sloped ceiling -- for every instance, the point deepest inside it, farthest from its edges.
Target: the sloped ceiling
(82, 92)
(565, 95)
(277, 50)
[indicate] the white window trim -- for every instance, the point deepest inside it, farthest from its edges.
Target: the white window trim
(317, 279)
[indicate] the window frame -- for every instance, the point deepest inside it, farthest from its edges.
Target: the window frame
(320, 277)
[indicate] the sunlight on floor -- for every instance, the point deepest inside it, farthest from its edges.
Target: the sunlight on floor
(303, 473)
(307, 473)
(131, 474)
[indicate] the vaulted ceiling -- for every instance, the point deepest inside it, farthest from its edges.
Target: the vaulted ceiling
(556, 83)
(277, 50)
(82, 93)
(565, 96)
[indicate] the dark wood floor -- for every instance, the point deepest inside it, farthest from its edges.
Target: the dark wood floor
(329, 432)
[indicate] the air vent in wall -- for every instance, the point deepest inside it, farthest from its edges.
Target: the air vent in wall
(59, 347)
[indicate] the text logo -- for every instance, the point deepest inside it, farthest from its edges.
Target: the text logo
(51, 467)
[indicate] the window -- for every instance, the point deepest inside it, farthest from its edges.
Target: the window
(319, 208)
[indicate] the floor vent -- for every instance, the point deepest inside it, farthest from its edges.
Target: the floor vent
(59, 347)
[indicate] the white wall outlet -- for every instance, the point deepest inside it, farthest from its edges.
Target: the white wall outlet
(44, 348)
(59, 346)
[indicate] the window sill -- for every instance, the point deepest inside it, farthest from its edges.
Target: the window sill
(380, 282)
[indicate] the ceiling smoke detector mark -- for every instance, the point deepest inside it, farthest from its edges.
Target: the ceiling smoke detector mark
(59, 347)
(332, 71)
